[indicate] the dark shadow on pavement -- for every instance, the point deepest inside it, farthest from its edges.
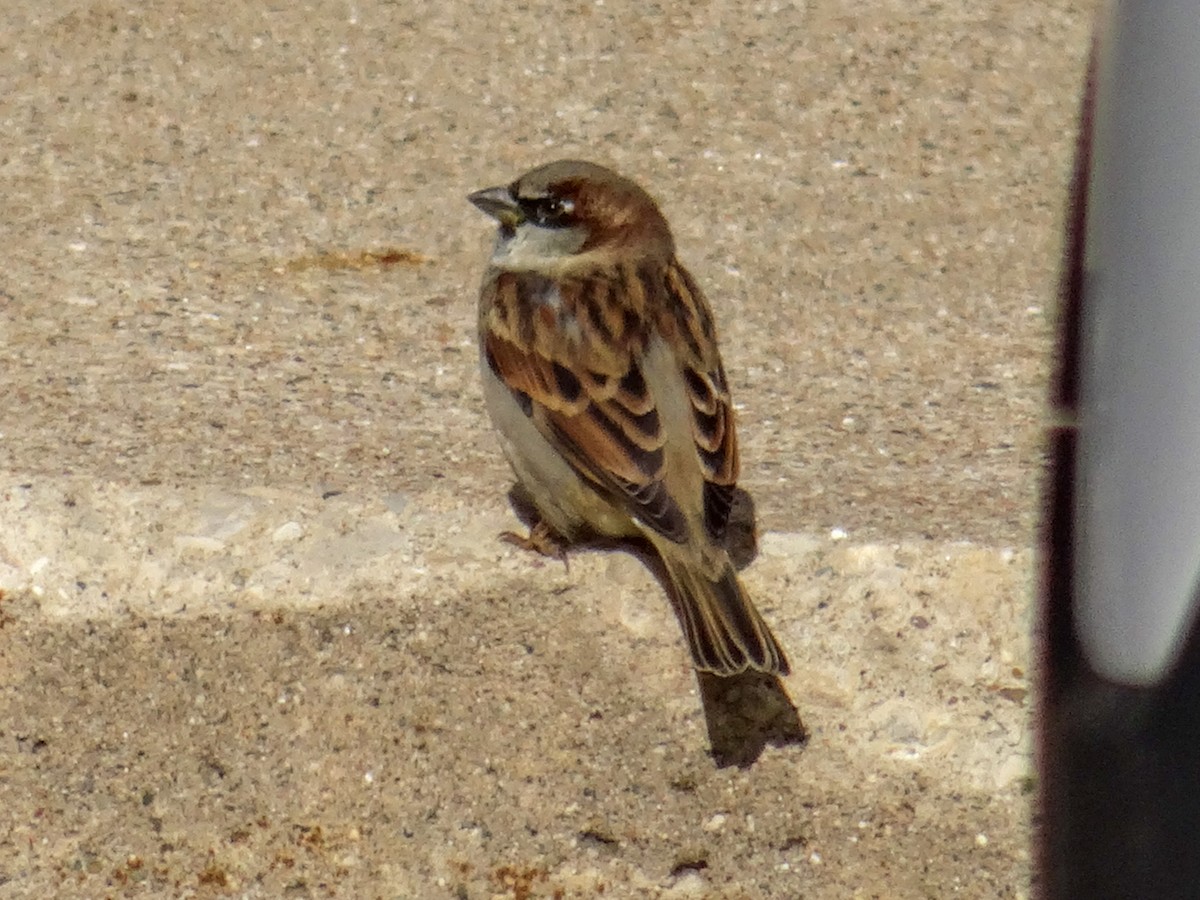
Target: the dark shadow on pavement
(744, 713)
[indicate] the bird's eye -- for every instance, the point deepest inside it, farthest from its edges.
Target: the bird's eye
(549, 212)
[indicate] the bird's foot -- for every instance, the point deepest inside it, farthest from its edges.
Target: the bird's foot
(542, 539)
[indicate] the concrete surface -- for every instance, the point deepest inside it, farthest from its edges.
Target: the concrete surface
(258, 637)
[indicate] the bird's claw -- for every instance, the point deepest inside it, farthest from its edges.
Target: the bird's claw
(542, 540)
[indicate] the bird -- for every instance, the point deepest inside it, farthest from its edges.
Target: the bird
(601, 374)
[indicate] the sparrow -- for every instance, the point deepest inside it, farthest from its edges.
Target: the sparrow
(601, 374)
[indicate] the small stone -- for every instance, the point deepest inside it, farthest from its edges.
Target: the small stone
(689, 884)
(289, 531)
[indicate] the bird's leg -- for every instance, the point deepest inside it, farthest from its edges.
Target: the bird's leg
(542, 539)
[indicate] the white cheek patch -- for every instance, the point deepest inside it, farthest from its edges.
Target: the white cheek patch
(532, 248)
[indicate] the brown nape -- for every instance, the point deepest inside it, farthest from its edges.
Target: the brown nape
(626, 218)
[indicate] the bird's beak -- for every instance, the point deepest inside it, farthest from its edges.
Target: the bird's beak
(498, 203)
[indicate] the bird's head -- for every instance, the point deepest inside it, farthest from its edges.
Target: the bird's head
(571, 215)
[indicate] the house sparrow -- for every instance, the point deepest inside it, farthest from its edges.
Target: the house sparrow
(601, 373)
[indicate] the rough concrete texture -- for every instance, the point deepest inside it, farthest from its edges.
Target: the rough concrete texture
(258, 636)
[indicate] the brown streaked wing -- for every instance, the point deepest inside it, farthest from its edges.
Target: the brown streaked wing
(713, 428)
(606, 427)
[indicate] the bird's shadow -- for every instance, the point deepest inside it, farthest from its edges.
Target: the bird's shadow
(744, 713)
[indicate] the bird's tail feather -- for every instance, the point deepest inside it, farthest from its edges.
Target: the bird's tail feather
(724, 631)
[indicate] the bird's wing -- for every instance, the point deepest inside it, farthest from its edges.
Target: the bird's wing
(686, 323)
(572, 354)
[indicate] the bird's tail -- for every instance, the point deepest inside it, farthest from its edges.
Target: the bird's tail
(724, 631)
